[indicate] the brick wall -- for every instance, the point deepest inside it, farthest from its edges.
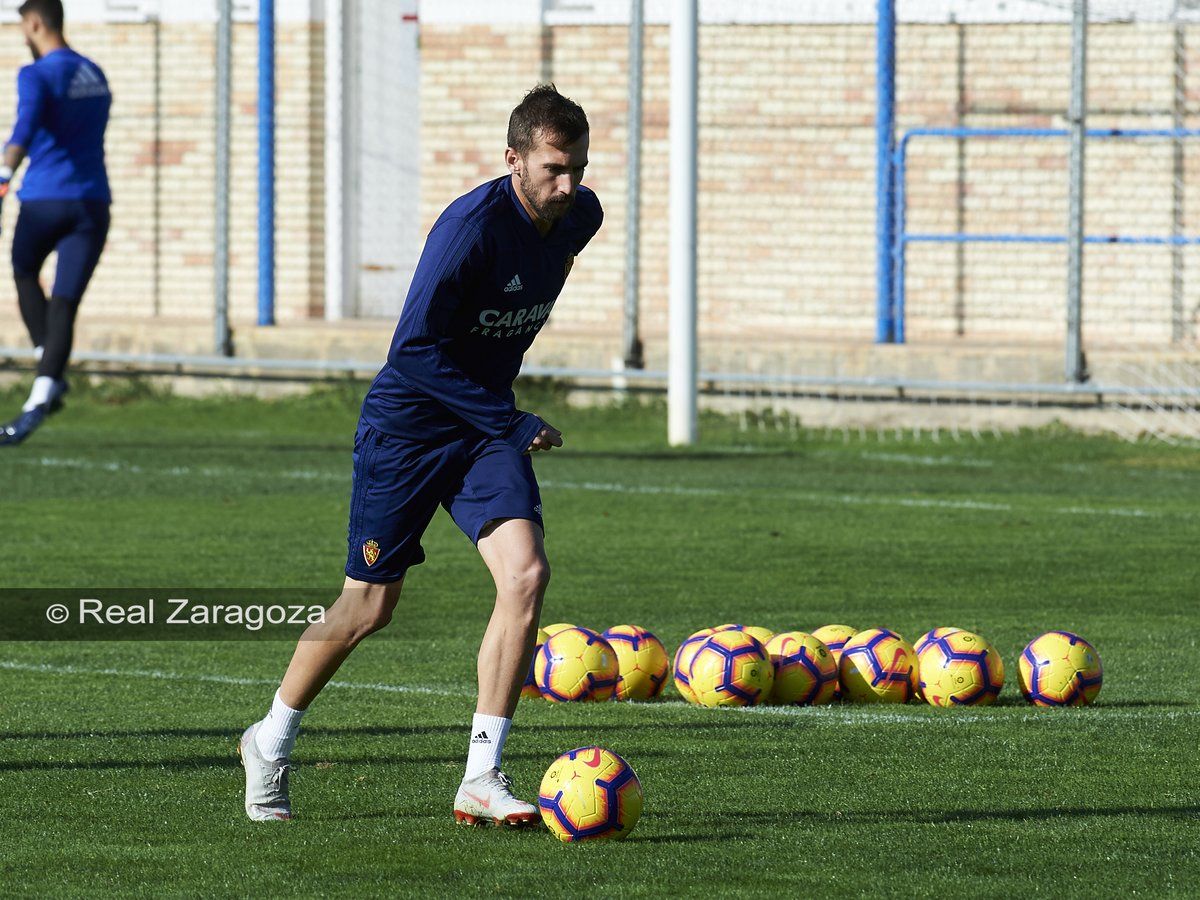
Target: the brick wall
(787, 174)
(159, 256)
(1017, 75)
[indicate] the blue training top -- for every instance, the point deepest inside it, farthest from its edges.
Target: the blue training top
(483, 288)
(62, 110)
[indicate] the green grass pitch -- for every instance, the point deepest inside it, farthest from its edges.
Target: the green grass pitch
(118, 774)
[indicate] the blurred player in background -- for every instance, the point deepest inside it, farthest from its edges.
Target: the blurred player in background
(439, 425)
(63, 102)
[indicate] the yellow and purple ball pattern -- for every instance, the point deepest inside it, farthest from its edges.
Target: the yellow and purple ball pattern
(529, 690)
(1060, 669)
(683, 661)
(731, 668)
(576, 665)
(763, 635)
(588, 794)
(642, 664)
(834, 637)
(805, 671)
(959, 669)
(878, 666)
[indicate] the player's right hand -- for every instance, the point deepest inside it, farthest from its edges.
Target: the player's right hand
(546, 438)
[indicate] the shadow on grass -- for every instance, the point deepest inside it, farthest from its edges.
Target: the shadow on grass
(427, 821)
(401, 731)
(691, 838)
(230, 761)
(962, 815)
(52, 765)
(363, 730)
(458, 757)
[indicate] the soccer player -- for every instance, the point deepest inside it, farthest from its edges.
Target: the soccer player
(62, 111)
(439, 425)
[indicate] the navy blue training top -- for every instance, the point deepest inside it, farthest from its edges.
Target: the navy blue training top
(62, 110)
(482, 290)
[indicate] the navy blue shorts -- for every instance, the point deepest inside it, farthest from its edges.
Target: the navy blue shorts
(77, 229)
(398, 484)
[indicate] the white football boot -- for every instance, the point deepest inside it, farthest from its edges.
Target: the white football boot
(488, 799)
(266, 781)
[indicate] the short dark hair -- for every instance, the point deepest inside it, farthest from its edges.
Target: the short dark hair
(547, 113)
(51, 12)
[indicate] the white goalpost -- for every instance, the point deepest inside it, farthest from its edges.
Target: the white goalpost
(681, 389)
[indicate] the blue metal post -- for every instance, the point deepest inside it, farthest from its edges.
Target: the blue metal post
(266, 162)
(885, 184)
(900, 246)
(902, 237)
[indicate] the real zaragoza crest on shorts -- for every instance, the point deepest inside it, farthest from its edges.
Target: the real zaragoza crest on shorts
(371, 552)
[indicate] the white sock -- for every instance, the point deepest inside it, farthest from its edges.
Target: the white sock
(37, 353)
(488, 734)
(43, 390)
(277, 734)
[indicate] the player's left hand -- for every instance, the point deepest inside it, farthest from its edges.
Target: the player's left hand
(546, 438)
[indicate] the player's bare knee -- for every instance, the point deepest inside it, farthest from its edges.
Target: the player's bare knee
(377, 613)
(529, 581)
(374, 619)
(368, 609)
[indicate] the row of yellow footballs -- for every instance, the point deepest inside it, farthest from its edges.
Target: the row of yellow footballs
(743, 665)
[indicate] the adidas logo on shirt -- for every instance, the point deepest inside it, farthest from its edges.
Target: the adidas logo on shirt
(514, 285)
(86, 82)
(481, 738)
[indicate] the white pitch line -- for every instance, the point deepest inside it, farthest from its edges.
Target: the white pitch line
(177, 471)
(1115, 511)
(850, 499)
(858, 714)
(618, 488)
(920, 460)
(842, 715)
(851, 715)
(160, 675)
(867, 500)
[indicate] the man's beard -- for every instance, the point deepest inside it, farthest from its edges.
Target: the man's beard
(550, 210)
(37, 54)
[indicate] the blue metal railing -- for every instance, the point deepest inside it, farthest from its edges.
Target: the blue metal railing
(902, 237)
(885, 180)
(266, 162)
